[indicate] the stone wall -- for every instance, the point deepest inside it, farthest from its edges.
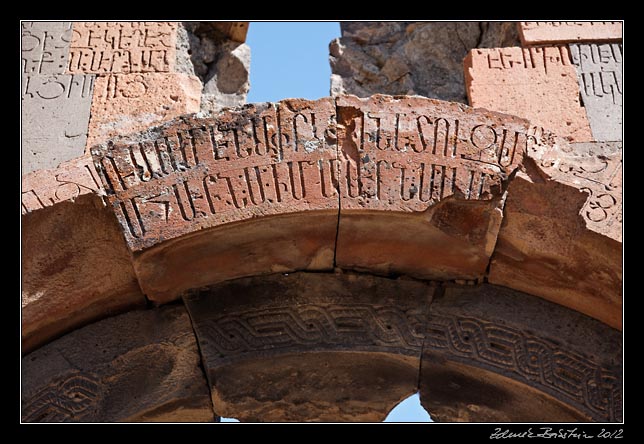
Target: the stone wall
(410, 58)
(85, 82)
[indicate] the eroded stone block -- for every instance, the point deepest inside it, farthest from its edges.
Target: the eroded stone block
(599, 70)
(122, 47)
(204, 173)
(595, 168)
(540, 33)
(55, 117)
(141, 366)
(539, 84)
(75, 265)
(126, 103)
(434, 171)
(342, 347)
(561, 232)
(44, 188)
(492, 354)
(45, 47)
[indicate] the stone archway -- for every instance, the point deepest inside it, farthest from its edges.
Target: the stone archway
(446, 196)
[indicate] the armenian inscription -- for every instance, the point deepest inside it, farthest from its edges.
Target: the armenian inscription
(595, 168)
(539, 84)
(599, 71)
(122, 47)
(388, 154)
(126, 103)
(201, 172)
(45, 47)
(71, 179)
(409, 153)
(55, 118)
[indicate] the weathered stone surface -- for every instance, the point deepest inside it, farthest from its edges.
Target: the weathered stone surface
(539, 84)
(540, 33)
(138, 367)
(44, 188)
(75, 265)
(599, 71)
(595, 168)
(492, 354)
(422, 58)
(45, 47)
(213, 52)
(235, 31)
(200, 173)
(435, 172)
(126, 103)
(55, 116)
(342, 347)
(228, 85)
(122, 47)
(561, 232)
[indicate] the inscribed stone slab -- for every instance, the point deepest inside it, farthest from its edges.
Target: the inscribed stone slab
(55, 117)
(599, 71)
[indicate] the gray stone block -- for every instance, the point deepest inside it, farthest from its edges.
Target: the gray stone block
(55, 118)
(45, 47)
(599, 72)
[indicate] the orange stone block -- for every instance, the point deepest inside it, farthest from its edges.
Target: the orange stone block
(548, 33)
(561, 236)
(75, 265)
(125, 103)
(539, 84)
(44, 188)
(75, 269)
(190, 186)
(422, 184)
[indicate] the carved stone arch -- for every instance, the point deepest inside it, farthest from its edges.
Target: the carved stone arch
(386, 186)
(349, 347)
(332, 347)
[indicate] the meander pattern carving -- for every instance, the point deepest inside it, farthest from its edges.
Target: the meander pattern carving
(537, 361)
(313, 326)
(70, 397)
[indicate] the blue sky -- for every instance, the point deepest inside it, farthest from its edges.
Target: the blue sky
(291, 60)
